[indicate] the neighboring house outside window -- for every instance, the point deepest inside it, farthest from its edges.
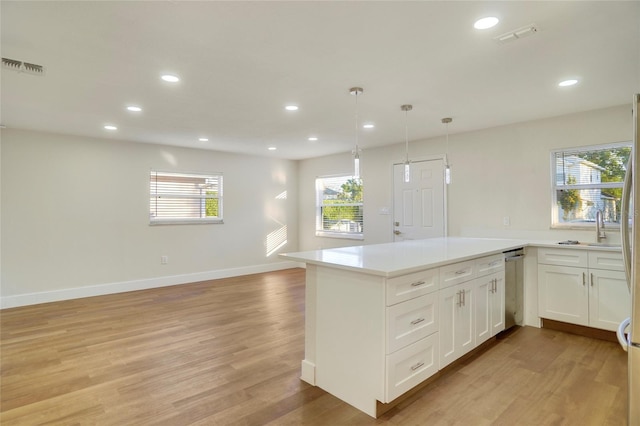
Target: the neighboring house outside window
(339, 208)
(183, 198)
(588, 179)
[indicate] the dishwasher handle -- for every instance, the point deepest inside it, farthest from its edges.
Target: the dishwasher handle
(514, 258)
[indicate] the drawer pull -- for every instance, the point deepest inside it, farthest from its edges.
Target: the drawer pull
(495, 263)
(461, 271)
(417, 283)
(417, 321)
(418, 365)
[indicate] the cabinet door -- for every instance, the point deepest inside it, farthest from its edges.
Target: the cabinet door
(488, 306)
(609, 299)
(483, 296)
(497, 306)
(457, 335)
(563, 294)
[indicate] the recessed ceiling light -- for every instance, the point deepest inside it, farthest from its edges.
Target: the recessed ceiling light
(170, 78)
(313, 138)
(291, 107)
(368, 126)
(566, 83)
(485, 23)
(272, 148)
(134, 108)
(203, 139)
(110, 127)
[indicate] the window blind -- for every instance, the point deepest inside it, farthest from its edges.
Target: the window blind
(339, 205)
(185, 197)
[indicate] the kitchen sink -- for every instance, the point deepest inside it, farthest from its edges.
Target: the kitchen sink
(601, 245)
(576, 243)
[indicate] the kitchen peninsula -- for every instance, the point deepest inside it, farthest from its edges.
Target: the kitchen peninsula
(381, 319)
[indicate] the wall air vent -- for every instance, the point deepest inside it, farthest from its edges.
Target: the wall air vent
(514, 35)
(15, 65)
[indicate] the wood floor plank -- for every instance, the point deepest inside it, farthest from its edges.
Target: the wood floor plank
(228, 352)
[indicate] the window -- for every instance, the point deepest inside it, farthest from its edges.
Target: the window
(586, 180)
(339, 207)
(177, 198)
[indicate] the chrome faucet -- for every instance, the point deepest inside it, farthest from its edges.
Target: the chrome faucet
(600, 235)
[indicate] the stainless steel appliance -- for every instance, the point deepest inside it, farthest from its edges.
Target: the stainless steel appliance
(630, 340)
(513, 287)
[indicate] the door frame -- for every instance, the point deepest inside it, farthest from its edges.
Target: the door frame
(441, 157)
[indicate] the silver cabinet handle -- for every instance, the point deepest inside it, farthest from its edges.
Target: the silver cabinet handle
(592, 279)
(464, 297)
(418, 365)
(584, 278)
(417, 321)
(461, 271)
(459, 298)
(417, 283)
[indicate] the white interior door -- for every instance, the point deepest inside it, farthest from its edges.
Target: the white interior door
(418, 206)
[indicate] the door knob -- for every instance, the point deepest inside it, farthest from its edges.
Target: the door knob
(397, 232)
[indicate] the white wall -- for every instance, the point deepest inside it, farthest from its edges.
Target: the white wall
(497, 172)
(75, 217)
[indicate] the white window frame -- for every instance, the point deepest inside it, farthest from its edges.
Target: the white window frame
(320, 231)
(156, 194)
(555, 209)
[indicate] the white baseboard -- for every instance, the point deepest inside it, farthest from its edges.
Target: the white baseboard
(121, 287)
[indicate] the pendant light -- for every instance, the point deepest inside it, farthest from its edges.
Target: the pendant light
(356, 91)
(447, 169)
(407, 166)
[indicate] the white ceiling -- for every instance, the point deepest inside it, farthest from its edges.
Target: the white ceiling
(242, 62)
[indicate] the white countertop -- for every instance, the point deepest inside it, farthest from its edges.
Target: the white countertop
(393, 259)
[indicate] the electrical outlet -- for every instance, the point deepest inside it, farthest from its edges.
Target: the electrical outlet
(506, 221)
(164, 260)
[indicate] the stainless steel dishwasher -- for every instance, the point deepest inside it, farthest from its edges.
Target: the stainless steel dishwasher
(513, 287)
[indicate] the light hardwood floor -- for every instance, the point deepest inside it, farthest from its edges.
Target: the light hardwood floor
(228, 352)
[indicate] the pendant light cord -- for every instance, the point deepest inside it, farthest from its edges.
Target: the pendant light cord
(406, 133)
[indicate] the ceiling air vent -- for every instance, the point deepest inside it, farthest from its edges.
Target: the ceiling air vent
(15, 65)
(514, 35)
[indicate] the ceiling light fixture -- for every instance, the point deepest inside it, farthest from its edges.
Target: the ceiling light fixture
(313, 138)
(203, 139)
(110, 127)
(272, 148)
(447, 169)
(170, 78)
(567, 83)
(368, 126)
(407, 167)
(356, 91)
(291, 107)
(486, 23)
(134, 108)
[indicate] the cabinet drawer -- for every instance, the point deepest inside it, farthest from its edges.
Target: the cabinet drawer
(489, 265)
(412, 320)
(563, 257)
(456, 273)
(609, 260)
(413, 285)
(410, 366)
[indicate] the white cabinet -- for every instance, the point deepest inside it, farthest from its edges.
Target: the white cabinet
(412, 318)
(456, 322)
(489, 303)
(609, 299)
(489, 313)
(471, 305)
(563, 294)
(592, 291)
